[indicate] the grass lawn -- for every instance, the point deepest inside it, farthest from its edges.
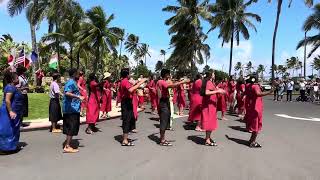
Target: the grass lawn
(38, 106)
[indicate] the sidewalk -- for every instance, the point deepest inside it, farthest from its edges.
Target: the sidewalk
(45, 123)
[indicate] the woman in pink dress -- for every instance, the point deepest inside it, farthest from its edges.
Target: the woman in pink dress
(118, 98)
(153, 94)
(222, 99)
(93, 108)
(254, 109)
(181, 99)
(231, 91)
(83, 92)
(209, 107)
(195, 103)
(135, 104)
(240, 87)
(106, 97)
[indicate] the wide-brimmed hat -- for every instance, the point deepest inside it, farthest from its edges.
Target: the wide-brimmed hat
(106, 75)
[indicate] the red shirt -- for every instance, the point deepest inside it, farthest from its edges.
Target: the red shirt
(197, 86)
(163, 87)
(124, 89)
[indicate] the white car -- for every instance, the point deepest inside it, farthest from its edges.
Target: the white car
(266, 87)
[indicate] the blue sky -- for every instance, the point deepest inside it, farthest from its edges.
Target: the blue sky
(145, 19)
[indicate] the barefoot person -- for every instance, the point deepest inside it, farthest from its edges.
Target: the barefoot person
(181, 98)
(54, 106)
(82, 85)
(71, 110)
(106, 96)
(254, 109)
(11, 112)
(231, 95)
(127, 114)
(153, 94)
(209, 107)
(223, 99)
(240, 87)
(164, 104)
(195, 103)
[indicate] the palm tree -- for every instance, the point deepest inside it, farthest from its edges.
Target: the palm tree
(95, 32)
(299, 66)
(261, 69)
(188, 38)
(282, 70)
(292, 63)
(132, 44)
(232, 18)
(6, 37)
(144, 52)
(159, 66)
(316, 64)
(239, 67)
(279, 7)
(163, 53)
(249, 67)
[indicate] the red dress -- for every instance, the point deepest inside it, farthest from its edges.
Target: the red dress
(231, 89)
(135, 102)
(83, 92)
(195, 101)
(117, 85)
(175, 96)
(181, 97)
(222, 98)
(209, 110)
(240, 93)
(106, 97)
(254, 108)
(92, 115)
(153, 94)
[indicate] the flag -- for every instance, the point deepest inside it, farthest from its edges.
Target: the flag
(34, 56)
(11, 57)
(53, 64)
(21, 58)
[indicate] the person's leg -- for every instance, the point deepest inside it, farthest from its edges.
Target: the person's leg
(288, 95)
(275, 95)
(208, 137)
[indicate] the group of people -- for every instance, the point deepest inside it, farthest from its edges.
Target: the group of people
(92, 98)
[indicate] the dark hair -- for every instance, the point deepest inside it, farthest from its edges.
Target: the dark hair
(198, 76)
(253, 78)
(21, 70)
(8, 77)
(72, 72)
(124, 73)
(81, 73)
(92, 77)
(55, 76)
(164, 72)
(208, 75)
(240, 81)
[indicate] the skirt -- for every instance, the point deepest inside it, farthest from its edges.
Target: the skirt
(25, 107)
(71, 124)
(127, 116)
(55, 114)
(164, 113)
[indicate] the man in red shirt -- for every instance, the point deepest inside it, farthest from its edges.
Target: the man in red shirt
(164, 103)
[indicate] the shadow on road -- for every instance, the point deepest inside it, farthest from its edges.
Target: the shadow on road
(154, 138)
(189, 127)
(238, 141)
(157, 125)
(154, 119)
(118, 138)
(239, 128)
(20, 147)
(197, 139)
(239, 120)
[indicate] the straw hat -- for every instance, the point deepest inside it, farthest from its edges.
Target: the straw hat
(106, 75)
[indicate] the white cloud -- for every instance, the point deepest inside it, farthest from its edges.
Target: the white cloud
(3, 4)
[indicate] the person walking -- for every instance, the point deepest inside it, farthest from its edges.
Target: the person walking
(23, 86)
(153, 94)
(302, 86)
(71, 110)
(106, 105)
(181, 99)
(55, 114)
(289, 87)
(164, 104)
(11, 112)
(275, 93)
(209, 107)
(223, 99)
(281, 87)
(82, 85)
(195, 103)
(231, 95)
(240, 87)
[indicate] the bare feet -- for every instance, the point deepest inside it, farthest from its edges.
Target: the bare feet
(69, 149)
(56, 131)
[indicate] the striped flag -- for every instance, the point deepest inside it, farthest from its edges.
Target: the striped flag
(21, 58)
(34, 56)
(53, 64)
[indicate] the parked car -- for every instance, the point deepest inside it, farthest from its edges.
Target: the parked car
(265, 87)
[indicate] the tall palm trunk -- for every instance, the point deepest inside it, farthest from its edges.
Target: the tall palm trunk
(231, 51)
(305, 56)
(275, 36)
(58, 46)
(34, 48)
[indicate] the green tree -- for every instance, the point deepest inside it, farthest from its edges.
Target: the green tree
(249, 67)
(159, 66)
(292, 63)
(233, 20)
(261, 69)
(316, 64)
(163, 53)
(239, 67)
(206, 68)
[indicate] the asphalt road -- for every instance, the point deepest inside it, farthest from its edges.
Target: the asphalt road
(291, 150)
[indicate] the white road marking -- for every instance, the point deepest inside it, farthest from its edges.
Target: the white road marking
(298, 118)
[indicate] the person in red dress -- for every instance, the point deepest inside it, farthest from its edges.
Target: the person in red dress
(153, 94)
(254, 109)
(93, 105)
(231, 91)
(140, 93)
(195, 103)
(181, 98)
(106, 96)
(209, 107)
(83, 92)
(164, 103)
(188, 87)
(222, 99)
(240, 87)
(127, 110)
(118, 98)
(135, 104)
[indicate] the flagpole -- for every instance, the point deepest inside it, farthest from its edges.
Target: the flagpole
(24, 57)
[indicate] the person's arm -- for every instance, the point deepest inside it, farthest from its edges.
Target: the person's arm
(259, 93)
(218, 91)
(135, 87)
(79, 86)
(173, 85)
(69, 93)
(12, 114)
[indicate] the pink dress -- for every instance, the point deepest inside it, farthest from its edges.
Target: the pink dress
(92, 115)
(254, 108)
(209, 110)
(118, 92)
(222, 98)
(175, 96)
(231, 89)
(106, 97)
(240, 93)
(82, 84)
(181, 97)
(135, 102)
(195, 101)
(153, 94)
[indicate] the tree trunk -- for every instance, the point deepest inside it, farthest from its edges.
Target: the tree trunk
(275, 36)
(95, 65)
(34, 48)
(305, 56)
(58, 47)
(71, 57)
(231, 50)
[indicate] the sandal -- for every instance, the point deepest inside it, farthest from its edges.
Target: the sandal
(89, 131)
(127, 144)
(255, 145)
(165, 143)
(212, 143)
